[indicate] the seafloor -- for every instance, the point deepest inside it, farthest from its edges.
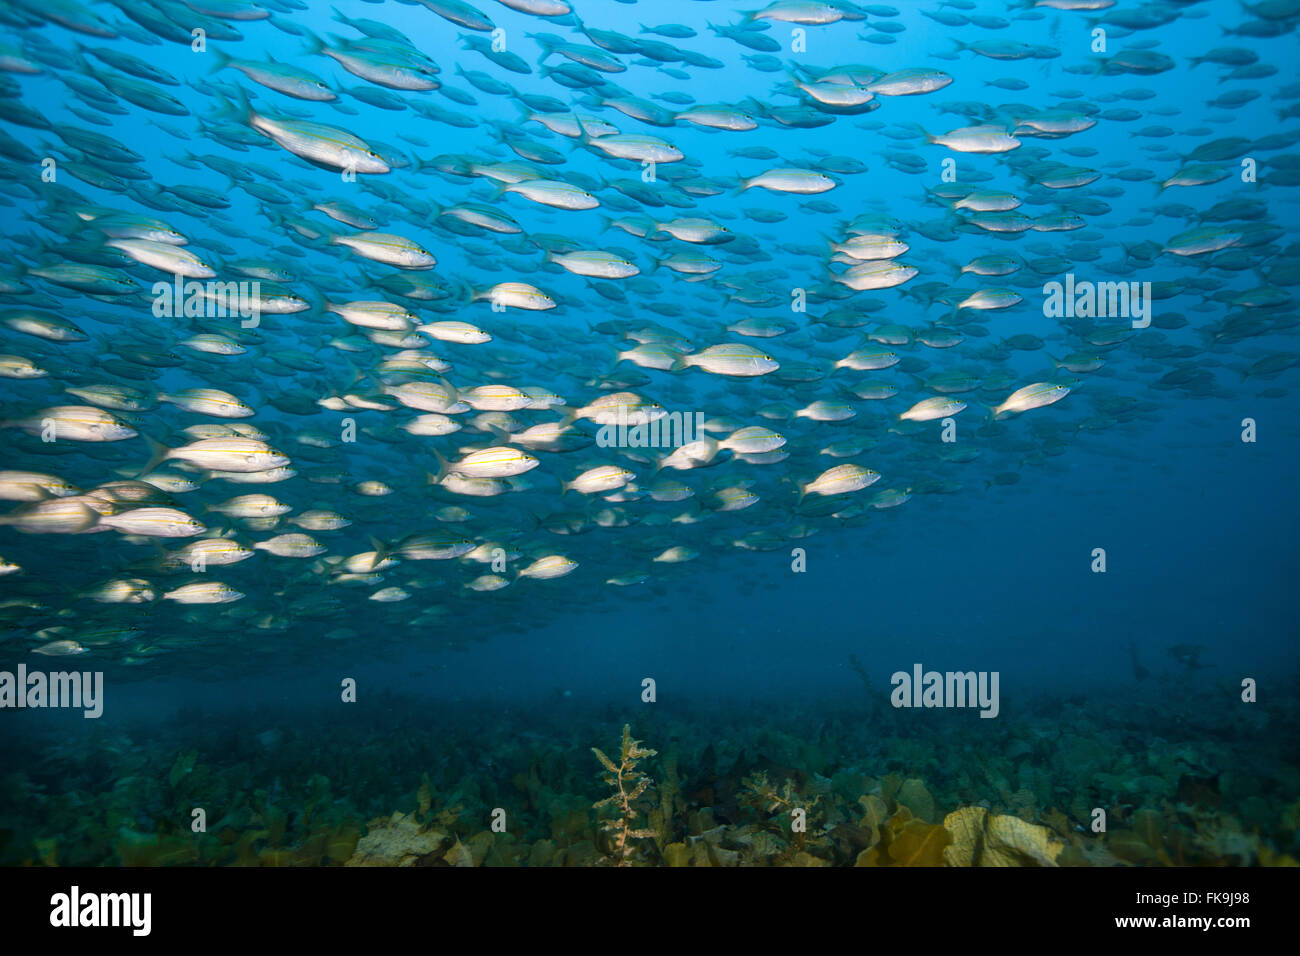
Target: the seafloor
(1183, 776)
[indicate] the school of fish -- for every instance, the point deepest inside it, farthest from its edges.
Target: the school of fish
(426, 319)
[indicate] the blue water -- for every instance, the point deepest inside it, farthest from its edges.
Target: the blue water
(1197, 525)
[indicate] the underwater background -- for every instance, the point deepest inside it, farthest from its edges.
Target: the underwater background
(417, 672)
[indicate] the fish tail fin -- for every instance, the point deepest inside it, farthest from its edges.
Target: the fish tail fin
(382, 550)
(449, 387)
(681, 363)
(443, 468)
(754, 106)
(220, 60)
(241, 109)
(741, 185)
(521, 112)
(583, 136)
(369, 376)
(158, 453)
(314, 44)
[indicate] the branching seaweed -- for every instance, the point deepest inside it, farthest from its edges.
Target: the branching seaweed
(763, 795)
(628, 784)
